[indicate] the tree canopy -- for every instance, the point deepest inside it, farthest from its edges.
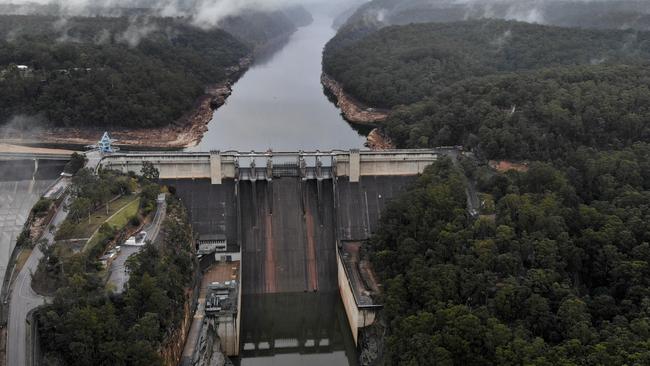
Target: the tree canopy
(541, 115)
(404, 64)
(109, 71)
(86, 325)
(559, 276)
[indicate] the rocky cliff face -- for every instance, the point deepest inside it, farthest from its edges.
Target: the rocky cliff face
(172, 350)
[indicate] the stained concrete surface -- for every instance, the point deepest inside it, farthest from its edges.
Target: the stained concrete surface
(212, 208)
(287, 236)
(288, 227)
(360, 204)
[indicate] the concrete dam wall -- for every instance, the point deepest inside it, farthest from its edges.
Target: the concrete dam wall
(289, 221)
(288, 227)
(220, 166)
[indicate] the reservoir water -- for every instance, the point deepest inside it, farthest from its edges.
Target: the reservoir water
(279, 103)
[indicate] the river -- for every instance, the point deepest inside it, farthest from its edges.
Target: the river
(279, 103)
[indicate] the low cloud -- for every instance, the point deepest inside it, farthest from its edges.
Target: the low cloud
(202, 13)
(138, 29)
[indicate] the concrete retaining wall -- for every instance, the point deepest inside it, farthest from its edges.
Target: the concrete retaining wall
(357, 317)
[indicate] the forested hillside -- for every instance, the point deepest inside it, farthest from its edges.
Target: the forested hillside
(559, 276)
(108, 71)
(403, 64)
(554, 268)
(610, 14)
(541, 115)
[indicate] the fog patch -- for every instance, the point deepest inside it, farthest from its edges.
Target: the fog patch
(22, 126)
(62, 27)
(139, 28)
(502, 39)
(597, 61)
(103, 37)
(201, 13)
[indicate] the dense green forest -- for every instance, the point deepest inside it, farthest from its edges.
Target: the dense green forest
(403, 64)
(540, 115)
(108, 71)
(559, 276)
(86, 325)
(610, 14)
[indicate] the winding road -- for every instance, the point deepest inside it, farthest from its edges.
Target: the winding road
(23, 300)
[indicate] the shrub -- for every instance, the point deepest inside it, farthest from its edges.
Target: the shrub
(41, 207)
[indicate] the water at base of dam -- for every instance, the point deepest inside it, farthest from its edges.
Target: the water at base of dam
(295, 329)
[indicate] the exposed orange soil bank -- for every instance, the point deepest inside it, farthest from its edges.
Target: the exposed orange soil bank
(377, 140)
(353, 110)
(504, 166)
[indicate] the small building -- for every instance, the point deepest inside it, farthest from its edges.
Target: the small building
(211, 243)
(138, 240)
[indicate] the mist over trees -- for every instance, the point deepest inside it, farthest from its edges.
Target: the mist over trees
(610, 14)
(558, 276)
(403, 64)
(106, 71)
(135, 71)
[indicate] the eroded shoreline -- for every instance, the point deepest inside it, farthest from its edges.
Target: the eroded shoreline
(353, 110)
(189, 130)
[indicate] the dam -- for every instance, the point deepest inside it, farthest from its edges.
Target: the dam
(291, 215)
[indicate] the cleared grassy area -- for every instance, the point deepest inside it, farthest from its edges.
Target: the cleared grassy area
(22, 259)
(86, 229)
(119, 219)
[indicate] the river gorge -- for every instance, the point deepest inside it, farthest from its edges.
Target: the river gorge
(279, 103)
